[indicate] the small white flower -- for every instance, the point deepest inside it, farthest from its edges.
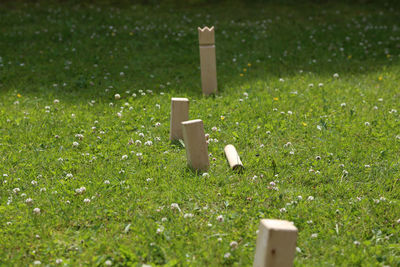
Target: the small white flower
(86, 200)
(36, 210)
(320, 84)
(335, 75)
(16, 190)
(56, 101)
(37, 263)
(314, 235)
(29, 201)
(75, 144)
(310, 198)
(299, 197)
(233, 245)
(366, 123)
(33, 182)
(357, 243)
(205, 174)
(148, 143)
(124, 157)
(106, 182)
(141, 134)
(158, 124)
(220, 218)
(59, 261)
(343, 105)
(119, 114)
(188, 215)
(108, 263)
(227, 255)
(69, 175)
(175, 206)
(164, 219)
(282, 210)
(117, 96)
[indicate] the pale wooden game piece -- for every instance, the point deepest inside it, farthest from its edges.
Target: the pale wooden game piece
(179, 113)
(276, 244)
(233, 158)
(195, 144)
(208, 65)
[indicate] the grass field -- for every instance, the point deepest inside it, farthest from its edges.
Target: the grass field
(308, 94)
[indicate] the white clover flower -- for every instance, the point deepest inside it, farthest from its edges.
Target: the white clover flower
(56, 101)
(310, 198)
(124, 157)
(281, 80)
(314, 235)
(86, 200)
(366, 123)
(158, 124)
(206, 174)
(234, 245)
(214, 129)
(106, 182)
(175, 206)
(299, 197)
(335, 75)
(73, 115)
(343, 105)
(227, 255)
(164, 219)
(148, 143)
(29, 201)
(282, 210)
(75, 144)
(37, 263)
(33, 182)
(188, 215)
(220, 218)
(59, 261)
(117, 96)
(160, 230)
(79, 136)
(16, 190)
(119, 114)
(69, 175)
(36, 210)
(141, 134)
(23, 195)
(357, 243)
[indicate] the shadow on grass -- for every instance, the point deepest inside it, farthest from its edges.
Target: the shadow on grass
(50, 51)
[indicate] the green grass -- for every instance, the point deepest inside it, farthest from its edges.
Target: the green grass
(337, 141)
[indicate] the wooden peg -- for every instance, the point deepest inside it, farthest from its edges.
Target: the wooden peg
(233, 158)
(179, 113)
(195, 144)
(276, 244)
(208, 65)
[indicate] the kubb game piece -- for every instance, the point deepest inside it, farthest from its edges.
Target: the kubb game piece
(208, 63)
(233, 158)
(276, 244)
(179, 113)
(195, 144)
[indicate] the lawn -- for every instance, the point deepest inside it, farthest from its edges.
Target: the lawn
(308, 94)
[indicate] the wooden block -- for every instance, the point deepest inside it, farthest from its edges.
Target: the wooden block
(179, 113)
(233, 158)
(276, 244)
(195, 144)
(208, 64)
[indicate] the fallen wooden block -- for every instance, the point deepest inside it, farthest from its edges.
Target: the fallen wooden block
(195, 144)
(276, 244)
(208, 64)
(233, 158)
(179, 113)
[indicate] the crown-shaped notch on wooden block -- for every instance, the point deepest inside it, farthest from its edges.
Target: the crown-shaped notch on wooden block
(206, 36)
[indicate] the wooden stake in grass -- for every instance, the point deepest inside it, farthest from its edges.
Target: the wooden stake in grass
(195, 144)
(276, 244)
(233, 158)
(179, 113)
(208, 63)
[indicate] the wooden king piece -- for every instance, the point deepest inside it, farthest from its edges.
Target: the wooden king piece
(276, 244)
(179, 113)
(208, 63)
(195, 144)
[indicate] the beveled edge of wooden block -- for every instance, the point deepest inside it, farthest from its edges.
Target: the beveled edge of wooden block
(279, 225)
(191, 122)
(206, 35)
(179, 99)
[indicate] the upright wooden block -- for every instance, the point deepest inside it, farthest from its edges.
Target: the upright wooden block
(233, 158)
(179, 113)
(195, 143)
(208, 63)
(276, 244)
